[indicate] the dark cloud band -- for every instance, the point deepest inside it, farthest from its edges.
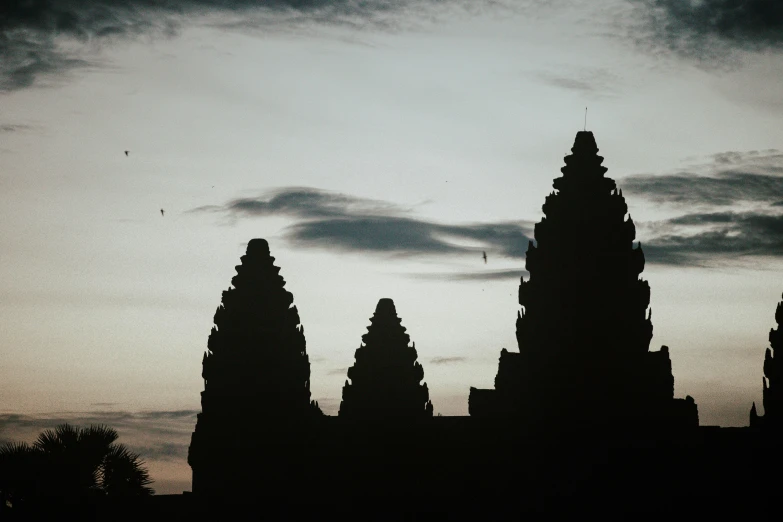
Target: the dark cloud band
(708, 28)
(730, 178)
(719, 238)
(31, 31)
(346, 223)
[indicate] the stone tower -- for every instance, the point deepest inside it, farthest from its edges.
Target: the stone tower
(385, 379)
(772, 381)
(584, 328)
(256, 370)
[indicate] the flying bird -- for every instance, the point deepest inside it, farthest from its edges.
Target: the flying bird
(126, 152)
(162, 212)
(484, 255)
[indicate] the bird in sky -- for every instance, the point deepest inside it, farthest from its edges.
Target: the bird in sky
(162, 212)
(126, 152)
(484, 255)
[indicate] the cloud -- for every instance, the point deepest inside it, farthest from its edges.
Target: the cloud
(406, 237)
(304, 202)
(9, 127)
(447, 360)
(729, 178)
(34, 34)
(719, 238)
(488, 275)
(589, 82)
(338, 371)
(709, 29)
(733, 203)
(345, 223)
(154, 435)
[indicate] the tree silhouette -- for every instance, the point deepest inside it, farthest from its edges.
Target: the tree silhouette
(71, 462)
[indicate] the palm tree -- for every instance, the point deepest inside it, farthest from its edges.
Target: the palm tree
(71, 462)
(19, 465)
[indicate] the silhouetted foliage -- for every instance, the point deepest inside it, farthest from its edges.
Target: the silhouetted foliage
(772, 382)
(385, 379)
(69, 462)
(583, 331)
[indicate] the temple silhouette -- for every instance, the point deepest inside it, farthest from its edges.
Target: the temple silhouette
(585, 327)
(256, 366)
(581, 421)
(385, 378)
(772, 382)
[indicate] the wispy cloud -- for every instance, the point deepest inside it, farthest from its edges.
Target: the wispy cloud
(729, 178)
(486, 275)
(708, 30)
(33, 32)
(717, 238)
(447, 360)
(10, 127)
(589, 82)
(719, 227)
(345, 223)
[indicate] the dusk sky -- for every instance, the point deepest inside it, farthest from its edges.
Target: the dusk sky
(379, 146)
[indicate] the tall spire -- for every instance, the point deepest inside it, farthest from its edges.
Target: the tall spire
(772, 382)
(256, 366)
(385, 377)
(584, 335)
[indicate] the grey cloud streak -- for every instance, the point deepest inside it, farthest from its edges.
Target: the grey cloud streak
(10, 127)
(31, 31)
(447, 360)
(591, 82)
(720, 237)
(341, 222)
(731, 177)
(719, 227)
(486, 275)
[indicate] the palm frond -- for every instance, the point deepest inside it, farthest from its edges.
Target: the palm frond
(123, 473)
(19, 465)
(12, 449)
(58, 439)
(98, 435)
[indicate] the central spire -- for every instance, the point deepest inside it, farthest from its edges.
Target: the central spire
(584, 328)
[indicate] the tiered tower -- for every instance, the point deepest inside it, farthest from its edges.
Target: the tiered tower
(772, 381)
(584, 329)
(385, 379)
(256, 367)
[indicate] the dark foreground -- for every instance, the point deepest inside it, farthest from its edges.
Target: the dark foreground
(713, 472)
